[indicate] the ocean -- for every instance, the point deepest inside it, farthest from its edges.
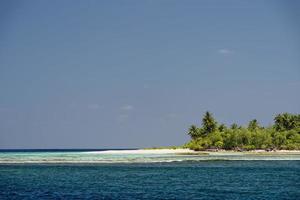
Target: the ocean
(82, 174)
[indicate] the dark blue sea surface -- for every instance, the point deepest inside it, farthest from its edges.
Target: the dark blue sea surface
(278, 179)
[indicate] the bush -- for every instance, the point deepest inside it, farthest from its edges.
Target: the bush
(249, 147)
(219, 144)
(284, 135)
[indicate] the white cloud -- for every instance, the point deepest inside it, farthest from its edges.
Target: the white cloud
(169, 117)
(146, 86)
(225, 51)
(172, 115)
(127, 107)
(72, 105)
(94, 106)
(122, 118)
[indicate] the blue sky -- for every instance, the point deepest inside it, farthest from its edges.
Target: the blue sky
(117, 74)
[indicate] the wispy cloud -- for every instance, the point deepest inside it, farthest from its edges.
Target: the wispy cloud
(122, 118)
(169, 117)
(172, 115)
(94, 106)
(146, 86)
(225, 51)
(127, 107)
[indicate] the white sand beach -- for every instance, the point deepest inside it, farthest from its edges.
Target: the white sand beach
(189, 151)
(146, 151)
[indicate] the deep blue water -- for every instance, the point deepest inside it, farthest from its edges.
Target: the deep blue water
(177, 180)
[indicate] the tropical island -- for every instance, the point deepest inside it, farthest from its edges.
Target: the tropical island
(284, 134)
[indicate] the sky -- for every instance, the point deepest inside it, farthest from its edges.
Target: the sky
(131, 74)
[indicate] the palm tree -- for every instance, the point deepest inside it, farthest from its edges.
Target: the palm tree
(222, 128)
(253, 125)
(209, 124)
(194, 132)
(286, 121)
(234, 126)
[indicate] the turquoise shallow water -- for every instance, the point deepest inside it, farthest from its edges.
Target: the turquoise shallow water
(185, 178)
(101, 157)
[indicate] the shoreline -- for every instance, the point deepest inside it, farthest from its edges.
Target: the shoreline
(185, 151)
(166, 155)
(146, 151)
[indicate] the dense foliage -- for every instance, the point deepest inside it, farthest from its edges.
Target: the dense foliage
(284, 134)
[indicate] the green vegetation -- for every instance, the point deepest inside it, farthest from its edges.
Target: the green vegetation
(284, 134)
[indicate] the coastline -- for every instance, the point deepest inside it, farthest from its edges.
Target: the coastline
(185, 151)
(162, 155)
(147, 151)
